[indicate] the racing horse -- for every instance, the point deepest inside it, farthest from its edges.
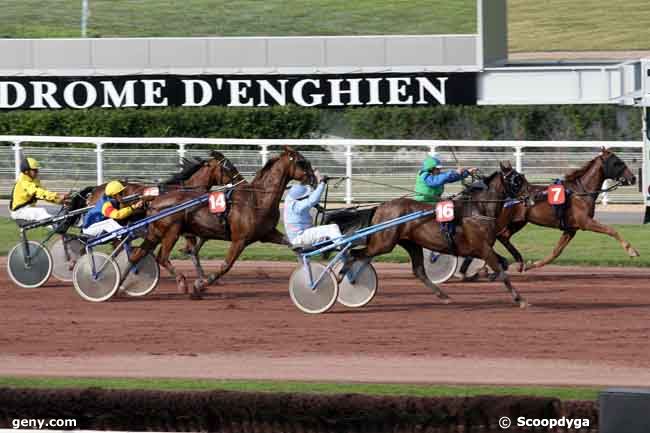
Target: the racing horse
(584, 184)
(252, 215)
(475, 218)
(198, 174)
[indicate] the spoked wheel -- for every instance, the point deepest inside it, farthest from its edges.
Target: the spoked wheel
(474, 267)
(142, 279)
(360, 291)
(319, 299)
(439, 267)
(29, 265)
(65, 254)
(101, 285)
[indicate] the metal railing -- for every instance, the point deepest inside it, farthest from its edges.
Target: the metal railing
(75, 162)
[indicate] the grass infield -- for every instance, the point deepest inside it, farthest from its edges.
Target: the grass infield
(533, 25)
(587, 249)
(300, 387)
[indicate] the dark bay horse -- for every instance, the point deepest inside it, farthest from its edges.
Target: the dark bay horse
(476, 215)
(252, 215)
(198, 174)
(585, 183)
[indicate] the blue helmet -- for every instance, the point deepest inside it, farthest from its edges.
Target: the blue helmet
(298, 191)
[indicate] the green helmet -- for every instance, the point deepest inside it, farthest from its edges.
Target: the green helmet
(429, 163)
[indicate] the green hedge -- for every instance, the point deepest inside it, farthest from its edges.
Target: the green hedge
(584, 122)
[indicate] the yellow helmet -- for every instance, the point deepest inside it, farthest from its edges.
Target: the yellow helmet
(29, 164)
(113, 188)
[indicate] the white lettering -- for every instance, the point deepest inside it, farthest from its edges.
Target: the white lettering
(237, 91)
(90, 95)
(316, 99)
(126, 98)
(280, 97)
(44, 93)
(373, 91)
(153, 90)
(21, 94)
(190, 98)
(438, 94)
(353, 91)
(397, 88)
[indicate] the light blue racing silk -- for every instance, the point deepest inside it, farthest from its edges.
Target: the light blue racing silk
(296, 212)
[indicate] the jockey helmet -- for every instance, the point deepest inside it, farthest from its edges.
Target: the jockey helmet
(114, 187)
(430, 162)
(29, 164)
(298, 191)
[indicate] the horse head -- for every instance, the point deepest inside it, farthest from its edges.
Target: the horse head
(299, 168)
(503, 186)
(614, 168)
(221, 170)
(516, 185)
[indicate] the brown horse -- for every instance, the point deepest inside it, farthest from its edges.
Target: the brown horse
(252, 215)
(476, 213)
(198, 174)
(585, 184)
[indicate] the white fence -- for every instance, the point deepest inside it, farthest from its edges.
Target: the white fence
(74, 162)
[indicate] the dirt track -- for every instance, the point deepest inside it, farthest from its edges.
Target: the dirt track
(586, 326)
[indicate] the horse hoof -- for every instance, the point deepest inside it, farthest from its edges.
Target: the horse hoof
(633, 252)
(523, 304)
(493, 277)
(195, 296)
(521, 267)
(445, 301)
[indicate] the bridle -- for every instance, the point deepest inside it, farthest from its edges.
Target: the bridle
(613, 168)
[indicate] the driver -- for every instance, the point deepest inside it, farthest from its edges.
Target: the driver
(429, 185)
(297, 219)
(28, 190)
(108, 210)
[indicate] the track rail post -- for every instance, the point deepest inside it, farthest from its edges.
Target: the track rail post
(17, 157)
(100, 162)
(348, 174)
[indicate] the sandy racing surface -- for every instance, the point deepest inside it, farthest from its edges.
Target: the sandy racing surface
(585, 326)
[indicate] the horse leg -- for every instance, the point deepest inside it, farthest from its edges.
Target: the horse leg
(561, 245)
(505, 241)
(236, 248)
(504, 237)
(190, 244)
(417, 264)
(493, 260)
(595, 226)
(194, 255)
(169, 240)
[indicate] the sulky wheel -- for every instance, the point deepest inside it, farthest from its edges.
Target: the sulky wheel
(439, 267)
(29, 265)
(142, 278)
(317, 300)
(65, 254)
(100, 285)
(474, 267)
(359, 291)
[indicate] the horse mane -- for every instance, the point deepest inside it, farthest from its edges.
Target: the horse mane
(490, 177)
(188, 168)
(575, 174)
(266, 167)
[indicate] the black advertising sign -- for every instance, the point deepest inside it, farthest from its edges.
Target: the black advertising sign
(343, 90)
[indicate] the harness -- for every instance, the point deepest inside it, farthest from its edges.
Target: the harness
(560, 210)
